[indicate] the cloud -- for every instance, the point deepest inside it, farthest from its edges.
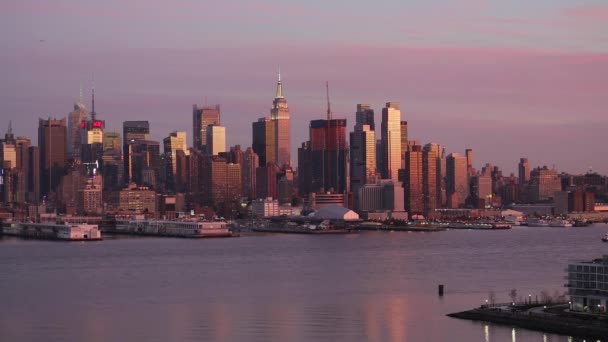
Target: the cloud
(597, 13)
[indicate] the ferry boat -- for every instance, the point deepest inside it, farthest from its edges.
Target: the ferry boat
(52, 231)
(185, 228)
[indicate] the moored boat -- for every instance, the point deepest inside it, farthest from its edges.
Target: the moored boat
(560, 223)
(52, 231)
(605, 238)
(177, 228)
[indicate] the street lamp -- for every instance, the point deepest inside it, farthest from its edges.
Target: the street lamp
(530, 299)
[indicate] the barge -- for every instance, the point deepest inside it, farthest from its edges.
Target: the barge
(52, 231)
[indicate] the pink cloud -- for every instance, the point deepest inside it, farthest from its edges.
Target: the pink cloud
(588, 12)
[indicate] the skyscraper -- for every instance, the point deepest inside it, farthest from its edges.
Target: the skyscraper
(264, 140)
(404, 141)
(524, 171)
(413, 181)
(132, 133)
(216, 140)
(440, 167)
(457, 186)
(176, 141)
(250, 163)
(329, 159)
(76, 123)
(391, 140)
(365, 116)
(52, 139)
(363, 157)
(279, 114)
(429, 182)
(469, 156)
(201, 118)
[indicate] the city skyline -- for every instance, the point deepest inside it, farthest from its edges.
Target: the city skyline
(532, 72)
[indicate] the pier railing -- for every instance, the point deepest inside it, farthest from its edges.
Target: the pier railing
(524, 304)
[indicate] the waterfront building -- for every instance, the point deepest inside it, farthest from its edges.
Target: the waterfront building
(202, 118)
(52, 139)
(279, 114)
(264, 140)
(318, 200)
(391, 140)
(588, 285)
(137, 200)
(265, 207)
(544, 183)
(457, 186)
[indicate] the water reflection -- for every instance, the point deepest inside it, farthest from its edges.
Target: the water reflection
(513, 335)
(486, 333)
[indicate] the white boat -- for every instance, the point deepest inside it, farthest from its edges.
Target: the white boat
(605, 238)
(560, 223)
(182, 228)
(52, 231)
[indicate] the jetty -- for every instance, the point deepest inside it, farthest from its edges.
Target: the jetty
(549, 318)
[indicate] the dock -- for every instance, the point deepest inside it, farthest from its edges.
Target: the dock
(52, 231)
(387, 228)
(535, 317)
(301, 230)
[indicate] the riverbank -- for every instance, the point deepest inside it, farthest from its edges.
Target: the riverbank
(534, 317)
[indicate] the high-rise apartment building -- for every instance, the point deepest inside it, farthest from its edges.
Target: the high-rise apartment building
(391, 140)
(201, 118)
(279, 114)
(457, 187)
(216, 140)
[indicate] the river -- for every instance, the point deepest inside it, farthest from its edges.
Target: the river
(371, 286)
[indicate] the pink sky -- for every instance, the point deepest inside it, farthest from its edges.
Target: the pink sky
(504, 81)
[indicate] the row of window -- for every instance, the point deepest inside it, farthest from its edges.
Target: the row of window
(588, 269)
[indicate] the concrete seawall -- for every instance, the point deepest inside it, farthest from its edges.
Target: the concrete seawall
(555, 324)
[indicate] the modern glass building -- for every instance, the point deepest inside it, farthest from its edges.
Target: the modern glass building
(588, 285)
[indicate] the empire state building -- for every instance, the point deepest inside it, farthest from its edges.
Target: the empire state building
(279, 115)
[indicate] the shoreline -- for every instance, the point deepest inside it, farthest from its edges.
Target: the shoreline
(563, 324)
